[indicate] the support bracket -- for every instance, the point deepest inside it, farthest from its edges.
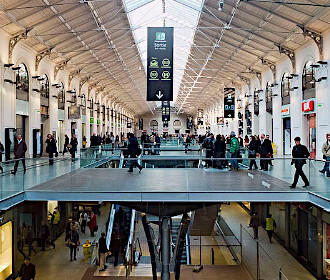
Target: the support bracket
(316, 36)
(82, 82)
(72, 75)
(13, 42)
(257, 73)
(290, 54)
(59, 67)
(271, 65)
(40, 56)
(245, 79)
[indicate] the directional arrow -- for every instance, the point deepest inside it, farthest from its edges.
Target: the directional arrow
(159, 95)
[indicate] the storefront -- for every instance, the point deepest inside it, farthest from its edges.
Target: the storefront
(285, 114)
(308, 109)
(6, 248)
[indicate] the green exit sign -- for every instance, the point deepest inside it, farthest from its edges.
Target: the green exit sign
(91, 120)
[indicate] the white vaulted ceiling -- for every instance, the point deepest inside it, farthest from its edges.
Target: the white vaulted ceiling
(106, 40)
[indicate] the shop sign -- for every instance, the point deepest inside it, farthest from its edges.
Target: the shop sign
(285, 111)
(98, 121)
(91, 120)
(308, 106)
(229, 102)
(112, 124)
(220, 121)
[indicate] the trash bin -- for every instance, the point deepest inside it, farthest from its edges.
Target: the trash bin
(87, 250)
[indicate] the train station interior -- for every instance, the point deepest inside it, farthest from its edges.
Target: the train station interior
(164, 139)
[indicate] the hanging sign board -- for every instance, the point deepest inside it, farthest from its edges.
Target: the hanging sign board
(74, 112)
(229, 102)
(166, 109)
(160, 64)
(129, 125)
(140, 124)
(220, 121)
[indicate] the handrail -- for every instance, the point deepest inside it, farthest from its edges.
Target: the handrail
(187, 249)
(131, 237)
(110, 225)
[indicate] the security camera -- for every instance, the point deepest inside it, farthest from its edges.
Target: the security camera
(221, 5)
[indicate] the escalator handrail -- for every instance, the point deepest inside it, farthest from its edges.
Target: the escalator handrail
(188, 249)
(110, 225)
(131, 236)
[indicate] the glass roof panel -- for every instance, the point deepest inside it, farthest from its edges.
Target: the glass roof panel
(183, 15)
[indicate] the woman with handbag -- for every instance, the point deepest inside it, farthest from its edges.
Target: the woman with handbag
(326, 156)
(253, 150)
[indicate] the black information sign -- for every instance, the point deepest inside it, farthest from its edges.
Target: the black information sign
(189, 123)
(166, 111)
(129, 125)
(140, 124)
(160, 64)
(165, 124)
(229, 102)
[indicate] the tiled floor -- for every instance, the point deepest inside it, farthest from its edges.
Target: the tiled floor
(235, 215)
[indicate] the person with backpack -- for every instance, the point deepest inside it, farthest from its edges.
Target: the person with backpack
(133, 151)
(299, 155)
(234, 151)
(326, 156)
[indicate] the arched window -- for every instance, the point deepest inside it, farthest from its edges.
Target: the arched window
(285, 89)
(269, 98)
(177, 123)
(22, 83)
(60, 96)
(256, 102)
(308, 81)
(154, 124)
(44, 86)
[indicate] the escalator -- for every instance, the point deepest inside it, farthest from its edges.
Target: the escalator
(174, 232)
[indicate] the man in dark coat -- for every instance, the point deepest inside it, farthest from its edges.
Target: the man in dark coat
(94, 140)
(103, 249)
(299, 155)
(20, 149)
(27, 270)
(51, 148)
(66, 143)
(266, 151)
(254, 223)
(74, 145)
(132, 151)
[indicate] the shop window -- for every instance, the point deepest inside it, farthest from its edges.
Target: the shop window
(285, 89)
(6, 250)
(256, 102)
(308, 81)
(22, 83)
(269, 98)
(60, 96)
(177, 123)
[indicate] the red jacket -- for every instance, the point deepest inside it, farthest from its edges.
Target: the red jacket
(92, 223)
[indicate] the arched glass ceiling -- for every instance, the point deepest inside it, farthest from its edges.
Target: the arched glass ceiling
(183, 15)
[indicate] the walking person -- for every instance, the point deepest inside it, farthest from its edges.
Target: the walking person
(208, 146)
(234, 151)
(92, 224)
(133, 152)
(270, 225)
(27, 270)
(44, 235)
(51, 148)
(299, 155)
(253, 150)
(84, 217)
(2, 150)
(73, 147)
(219, 151)
(66, 143)
(254, 223)
(29, 240)
(20, 149)
(326, 156)
(115, 243)
(73, 243)
(266, 151)
(84, 142)
(103, 250)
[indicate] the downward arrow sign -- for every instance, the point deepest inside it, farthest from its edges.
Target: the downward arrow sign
(159, 95)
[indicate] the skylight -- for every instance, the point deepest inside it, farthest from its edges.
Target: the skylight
(183, 15)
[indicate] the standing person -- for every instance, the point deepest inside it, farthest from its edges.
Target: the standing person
(270, 225)
(299, 155)
(92, 223)
(240, 141)
(84, 217)
(254, 223)
(265, 150)
(20, 149)
(246, 141)
(208, 146)
(253, 150)
(2, 149)
(115, 243)
(51, 148)
(219, 150)
(157, 145)
(234, 151)
(27, 270)
(271, 151)
(44, 235)
(326, 156)
(117, 141)
(103, 249)
(94, 140)
(74, 145)
(133, 152)
(29, 240)
(73, 243)
(84, 141)
(66, 143)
